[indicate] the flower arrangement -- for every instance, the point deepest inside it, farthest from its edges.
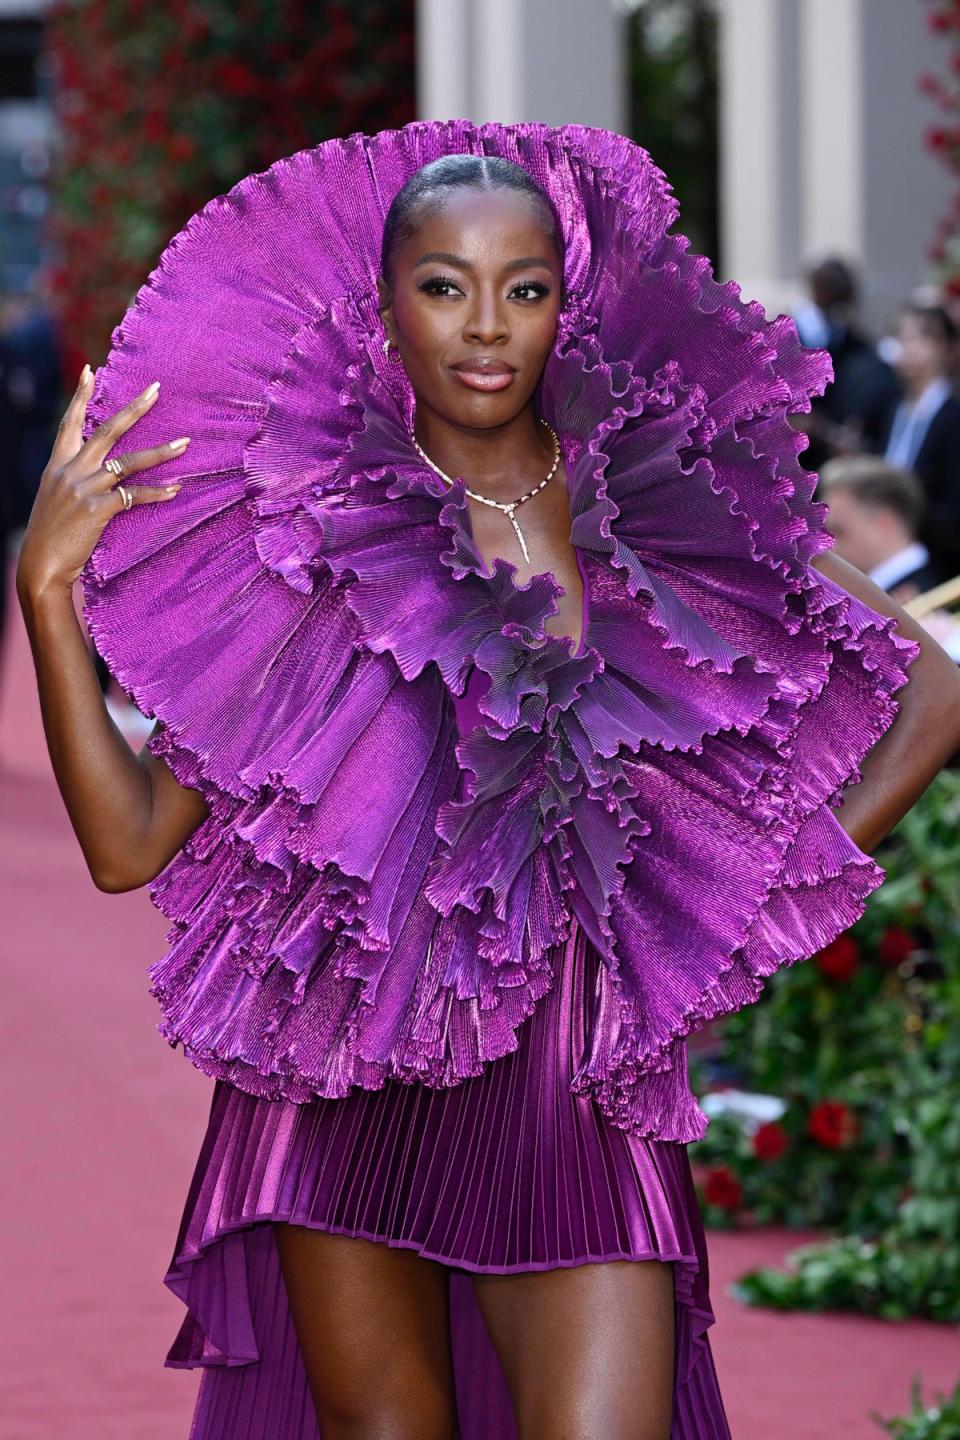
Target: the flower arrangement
(942, 139)
(862, 1045)
(938, 1421)
(163, 106)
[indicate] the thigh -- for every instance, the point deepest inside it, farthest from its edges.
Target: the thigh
(587, 1350)
(372, 1323)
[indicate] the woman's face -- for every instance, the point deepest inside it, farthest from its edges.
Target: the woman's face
(922, 355)
(476, 293)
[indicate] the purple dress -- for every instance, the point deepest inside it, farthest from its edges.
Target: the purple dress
(504, 1173)
(464, 890)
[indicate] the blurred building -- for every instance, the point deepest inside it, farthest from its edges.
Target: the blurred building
(820, 116)
(26, 142)
(821, 120)
(822, 149)
(556, 61)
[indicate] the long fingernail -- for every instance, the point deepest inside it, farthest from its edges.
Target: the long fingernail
(180, 444)
(84, 375)
(151, 390)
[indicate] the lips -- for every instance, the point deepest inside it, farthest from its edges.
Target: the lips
(484, 373)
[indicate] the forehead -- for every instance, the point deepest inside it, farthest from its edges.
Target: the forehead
(917, 328)
(843, 502)
(467, 219)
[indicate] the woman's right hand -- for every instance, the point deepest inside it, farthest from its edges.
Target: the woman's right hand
(77, 496)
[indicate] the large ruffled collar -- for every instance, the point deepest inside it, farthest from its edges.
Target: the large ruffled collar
(373, 895)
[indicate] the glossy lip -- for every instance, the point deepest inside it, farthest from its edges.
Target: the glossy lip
(484, 372)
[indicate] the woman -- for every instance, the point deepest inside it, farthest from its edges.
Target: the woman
(922, 430)
(501, 714)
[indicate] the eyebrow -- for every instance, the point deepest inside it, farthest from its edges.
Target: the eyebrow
(443, 257)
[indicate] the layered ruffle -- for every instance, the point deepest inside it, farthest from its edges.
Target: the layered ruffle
(372, 895)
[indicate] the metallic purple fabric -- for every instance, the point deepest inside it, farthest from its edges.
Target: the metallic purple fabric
(508, 1172)
(375, 896)
(467, 705)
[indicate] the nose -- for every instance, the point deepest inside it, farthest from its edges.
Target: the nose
(486, 322)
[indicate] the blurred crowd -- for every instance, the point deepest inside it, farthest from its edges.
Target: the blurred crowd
(885, 442)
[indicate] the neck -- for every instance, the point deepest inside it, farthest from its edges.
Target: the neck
(915, 386)
(498, 461)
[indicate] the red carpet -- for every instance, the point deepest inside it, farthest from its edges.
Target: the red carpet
(98, 1105)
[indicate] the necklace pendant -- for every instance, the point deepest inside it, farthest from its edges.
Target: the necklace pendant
(523, 543)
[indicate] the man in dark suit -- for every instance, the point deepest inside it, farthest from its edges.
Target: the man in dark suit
(921, 431)
(848, 417)
(876, 513)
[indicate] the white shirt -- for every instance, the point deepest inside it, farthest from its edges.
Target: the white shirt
(911, 422)
(892, 570)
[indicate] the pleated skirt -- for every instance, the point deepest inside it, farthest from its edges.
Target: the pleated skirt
(505, 1173)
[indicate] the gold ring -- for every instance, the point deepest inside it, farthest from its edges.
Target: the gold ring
(114, 466)
(125, 495)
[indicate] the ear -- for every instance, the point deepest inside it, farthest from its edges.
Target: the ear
(385, 297)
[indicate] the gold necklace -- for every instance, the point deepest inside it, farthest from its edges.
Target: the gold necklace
(510, 506)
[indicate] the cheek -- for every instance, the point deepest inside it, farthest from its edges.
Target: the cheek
(428, 329)
(539, 333)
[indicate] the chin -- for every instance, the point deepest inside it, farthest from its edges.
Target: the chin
(495, 408)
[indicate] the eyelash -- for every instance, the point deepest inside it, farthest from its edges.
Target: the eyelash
(429, 286)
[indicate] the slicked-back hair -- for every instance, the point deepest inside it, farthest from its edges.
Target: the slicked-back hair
(873, 481)
(425, 191)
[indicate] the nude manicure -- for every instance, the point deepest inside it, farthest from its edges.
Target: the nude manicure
(180, 444)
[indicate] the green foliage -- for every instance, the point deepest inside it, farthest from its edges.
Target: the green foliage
(672, 47)
(939, 1421)
(162, 107)
(863, 1043)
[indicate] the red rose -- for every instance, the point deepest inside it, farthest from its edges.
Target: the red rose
(833, 1124)
(181, 147)
(770, 1141)
(896, 945)
(838, 960)
(237, 78)
(723, 1188)
(155, 126)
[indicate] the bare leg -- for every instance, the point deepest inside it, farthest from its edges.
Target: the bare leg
(587, 1351)
(372, 1322)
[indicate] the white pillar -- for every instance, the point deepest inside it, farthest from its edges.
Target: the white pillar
(554, 61)
(759, 146)
(822, 145)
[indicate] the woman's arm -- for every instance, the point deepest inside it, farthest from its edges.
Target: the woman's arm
(925, 734)
(131, 816)
(128, 812)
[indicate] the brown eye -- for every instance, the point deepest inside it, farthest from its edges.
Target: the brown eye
(534, 285)
(437, 284)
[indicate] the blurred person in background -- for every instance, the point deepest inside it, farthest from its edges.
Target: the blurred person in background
(32, 401)
(31, 383)
(876, 514)
(849, 417)
(8, 478)
(34, 382)
(921, 431)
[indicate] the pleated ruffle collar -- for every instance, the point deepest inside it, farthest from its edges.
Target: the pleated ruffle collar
(374, 896)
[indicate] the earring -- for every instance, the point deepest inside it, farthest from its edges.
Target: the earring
(390, 349)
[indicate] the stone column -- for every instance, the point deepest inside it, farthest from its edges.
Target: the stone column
(759, 146)
(822, 144)
(556, 61)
